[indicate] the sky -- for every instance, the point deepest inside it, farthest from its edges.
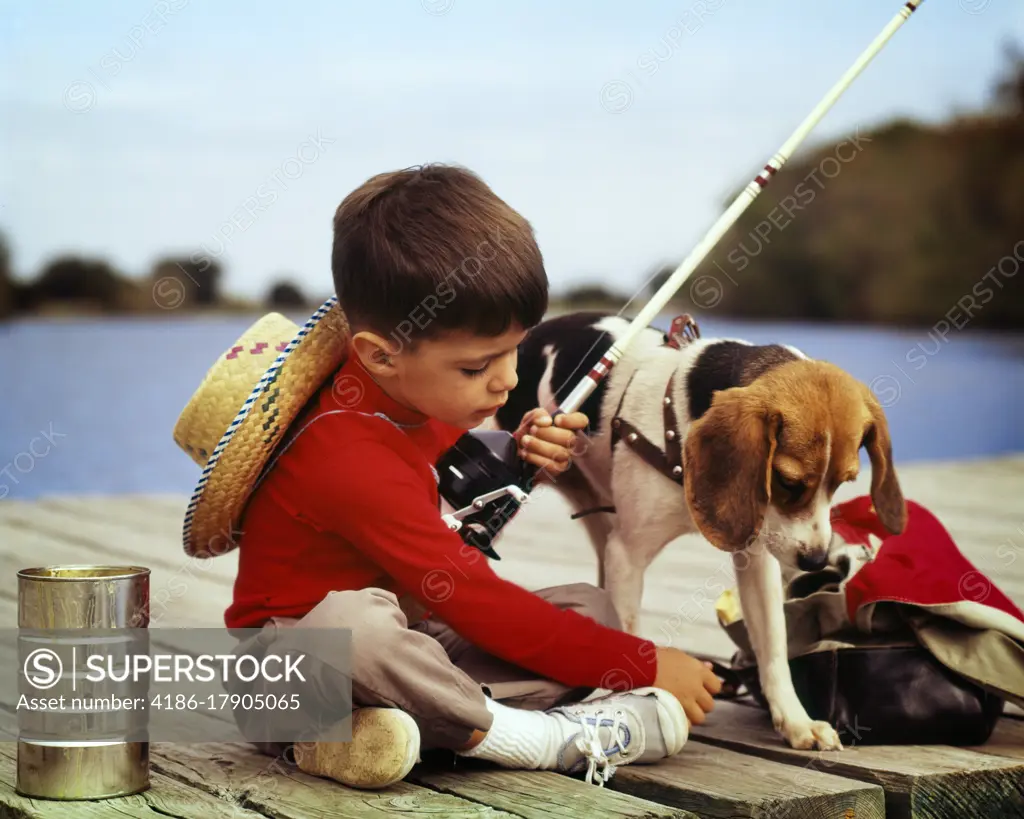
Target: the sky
(134, 130)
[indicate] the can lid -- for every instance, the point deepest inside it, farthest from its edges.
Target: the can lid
(80, 572)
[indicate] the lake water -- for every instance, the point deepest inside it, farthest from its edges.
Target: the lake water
(89, 404)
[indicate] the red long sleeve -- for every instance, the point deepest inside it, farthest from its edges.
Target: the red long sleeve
(382, 507)
(352, 503)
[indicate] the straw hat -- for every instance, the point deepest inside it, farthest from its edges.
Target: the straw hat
(244, 406)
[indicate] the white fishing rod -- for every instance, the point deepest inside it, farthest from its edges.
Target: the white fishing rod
(480, 479)
(658, 301)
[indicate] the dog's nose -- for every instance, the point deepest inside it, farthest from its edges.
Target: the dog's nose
(812, 561)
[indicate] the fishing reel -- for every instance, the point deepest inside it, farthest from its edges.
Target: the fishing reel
(483, 479)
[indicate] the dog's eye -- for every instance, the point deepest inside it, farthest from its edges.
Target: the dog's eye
(793, 487)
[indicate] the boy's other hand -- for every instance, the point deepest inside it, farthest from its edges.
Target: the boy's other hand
(691, 681)
(548, 445)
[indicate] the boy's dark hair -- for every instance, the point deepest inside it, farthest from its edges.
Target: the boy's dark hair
(425, 250)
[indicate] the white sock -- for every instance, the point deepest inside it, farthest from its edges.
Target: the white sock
(526, 740)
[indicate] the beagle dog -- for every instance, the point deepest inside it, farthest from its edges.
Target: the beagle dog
(744, 444)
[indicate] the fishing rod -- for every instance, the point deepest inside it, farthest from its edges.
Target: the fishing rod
(482, 477)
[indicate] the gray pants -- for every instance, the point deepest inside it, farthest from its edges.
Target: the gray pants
(427, 670)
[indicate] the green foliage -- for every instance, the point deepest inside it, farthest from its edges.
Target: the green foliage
(82, 281)
(907, 223)
(6, 283)
(286, 294)
(594, 296)
(200, 281)
(1009, 89)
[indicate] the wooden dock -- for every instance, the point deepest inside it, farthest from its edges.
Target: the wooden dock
(734, 766)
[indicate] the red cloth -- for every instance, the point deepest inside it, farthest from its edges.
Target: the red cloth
(352, 502)
(922, 566)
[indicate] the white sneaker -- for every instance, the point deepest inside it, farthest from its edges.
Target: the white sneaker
(385, 746)
(644, 725)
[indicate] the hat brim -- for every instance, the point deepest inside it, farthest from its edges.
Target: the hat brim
(233, 468)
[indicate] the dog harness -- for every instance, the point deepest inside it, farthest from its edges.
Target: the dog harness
(669, 462)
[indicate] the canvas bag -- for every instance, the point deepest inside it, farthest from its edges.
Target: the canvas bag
(917, 647)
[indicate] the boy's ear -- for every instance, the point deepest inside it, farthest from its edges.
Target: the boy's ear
(373, 351)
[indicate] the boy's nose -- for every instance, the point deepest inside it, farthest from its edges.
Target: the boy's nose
(506, 378)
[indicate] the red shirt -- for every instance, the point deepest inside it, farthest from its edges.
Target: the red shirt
(351, 502)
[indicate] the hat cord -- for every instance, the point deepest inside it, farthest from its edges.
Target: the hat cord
(287, 445)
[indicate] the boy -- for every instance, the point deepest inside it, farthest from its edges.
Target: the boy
(439, 281)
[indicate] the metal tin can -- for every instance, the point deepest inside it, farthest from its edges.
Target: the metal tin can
(66, 599)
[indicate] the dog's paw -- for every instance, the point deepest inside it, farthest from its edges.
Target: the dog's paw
(811, 736)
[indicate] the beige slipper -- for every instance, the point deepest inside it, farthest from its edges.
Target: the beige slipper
(384, 748)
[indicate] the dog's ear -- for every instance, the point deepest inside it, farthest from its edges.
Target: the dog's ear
(886, 495)
(728, 467)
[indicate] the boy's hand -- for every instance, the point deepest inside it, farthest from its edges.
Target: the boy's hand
(546, 445)
(691, 681)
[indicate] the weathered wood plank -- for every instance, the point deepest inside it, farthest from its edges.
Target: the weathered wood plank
(920, 781)
(999, 466)
(1007, 740)
(278, 789)
(721, 784)
(981, 512)
(165, 797)
(116, 510)
(164, 510)
(1000, 512)
(170, 504)
(684, 580)
(681, 586)
(120, 540)
(541, 794)
(691, 558)
(180, 596)
(990, 492)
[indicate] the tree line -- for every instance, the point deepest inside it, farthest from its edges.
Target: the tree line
(77, 282)
(906, 223)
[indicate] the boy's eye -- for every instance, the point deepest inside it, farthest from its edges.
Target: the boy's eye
(474, 373)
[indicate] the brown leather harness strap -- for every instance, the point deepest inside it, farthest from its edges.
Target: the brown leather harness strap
(669, 462)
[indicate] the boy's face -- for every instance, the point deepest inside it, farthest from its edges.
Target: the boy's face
(460, 379)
